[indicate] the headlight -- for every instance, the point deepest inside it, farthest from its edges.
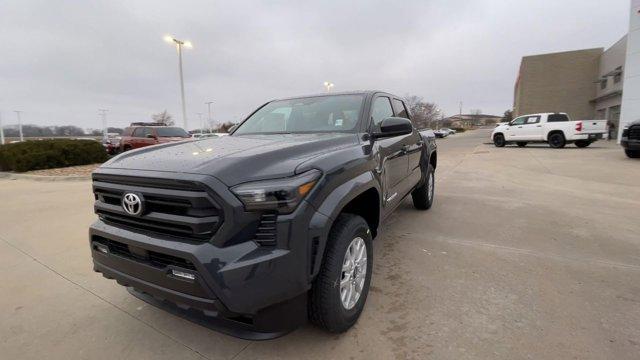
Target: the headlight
(282, 195)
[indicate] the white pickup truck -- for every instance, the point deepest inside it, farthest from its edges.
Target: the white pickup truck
(556, 129)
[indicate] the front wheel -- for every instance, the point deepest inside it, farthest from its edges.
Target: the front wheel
(422, 196)
(583, 143)
(498, 140)
(340, 290)
(634, 154)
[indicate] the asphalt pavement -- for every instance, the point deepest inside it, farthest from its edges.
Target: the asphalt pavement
(527, 253)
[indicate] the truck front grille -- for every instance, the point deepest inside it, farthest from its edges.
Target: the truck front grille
(152, 258)
(174, 208)
(634, 133)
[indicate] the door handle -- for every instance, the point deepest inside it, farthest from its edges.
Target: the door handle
(538, 125)
(519, 127)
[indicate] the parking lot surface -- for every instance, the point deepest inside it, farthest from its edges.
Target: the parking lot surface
(527, 253)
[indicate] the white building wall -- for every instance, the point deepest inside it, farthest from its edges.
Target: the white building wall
(631, 92)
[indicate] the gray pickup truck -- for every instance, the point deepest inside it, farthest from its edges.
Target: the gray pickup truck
(256, 232)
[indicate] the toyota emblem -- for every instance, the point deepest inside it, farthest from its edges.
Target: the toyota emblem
(132, 204)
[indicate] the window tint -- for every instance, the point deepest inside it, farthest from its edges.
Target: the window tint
(557, 118)
(381, 110)
(400, 109)
(142, 132)
(519, 121)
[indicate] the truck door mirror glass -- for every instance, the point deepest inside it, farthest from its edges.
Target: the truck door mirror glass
(151, 136)
(394, 126)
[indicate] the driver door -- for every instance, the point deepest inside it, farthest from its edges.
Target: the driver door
(515, 130)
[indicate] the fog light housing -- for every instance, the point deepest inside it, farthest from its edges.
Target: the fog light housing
(183, 275)
(101, 248)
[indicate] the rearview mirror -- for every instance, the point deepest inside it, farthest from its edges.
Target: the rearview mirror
(394, 126)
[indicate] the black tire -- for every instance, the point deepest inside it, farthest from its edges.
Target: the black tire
(326, 308)
(423, 195)
(557, 140)
(582, 143)
(521, 143)
(498, 140)
(634, 154)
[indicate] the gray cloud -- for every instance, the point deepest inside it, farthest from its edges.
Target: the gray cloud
(62, 60)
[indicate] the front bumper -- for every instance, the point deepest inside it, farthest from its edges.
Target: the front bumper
(260, 290)
(630, 144)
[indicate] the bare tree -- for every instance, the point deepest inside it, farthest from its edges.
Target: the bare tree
(475, 112)
(163, 118)
(423, 113)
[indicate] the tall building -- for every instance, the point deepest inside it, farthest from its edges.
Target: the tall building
(558, 82)
(586, 84)
(631, 92)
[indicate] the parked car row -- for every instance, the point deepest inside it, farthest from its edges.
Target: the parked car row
(141, 134)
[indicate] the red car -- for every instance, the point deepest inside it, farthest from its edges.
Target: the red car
(145, 134)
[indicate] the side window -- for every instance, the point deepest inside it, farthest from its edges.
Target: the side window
(519, 121)
(400, 109)
(142, 132)
(381, 110)
(557, 118)
(533, 120)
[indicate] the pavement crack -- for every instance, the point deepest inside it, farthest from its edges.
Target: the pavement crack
(240, 352)
(105, 300)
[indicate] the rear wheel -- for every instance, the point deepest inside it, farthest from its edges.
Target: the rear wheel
(498, 140)
(521, 143)
(583, 143)
(422, 196)
(557, 140)
(340, 290)
(634, 154)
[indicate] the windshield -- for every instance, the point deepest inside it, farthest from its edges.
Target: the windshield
(336, 113)
(171, 132)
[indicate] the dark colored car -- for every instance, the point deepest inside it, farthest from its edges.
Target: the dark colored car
(145, 134)
(254, 232)
(630, 140)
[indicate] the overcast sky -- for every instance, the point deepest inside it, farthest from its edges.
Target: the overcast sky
(63, 60)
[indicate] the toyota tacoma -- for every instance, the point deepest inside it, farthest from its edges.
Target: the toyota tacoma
(256, 232)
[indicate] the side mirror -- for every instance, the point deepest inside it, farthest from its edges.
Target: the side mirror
(151, 136)
(394, 126)
(233, 128)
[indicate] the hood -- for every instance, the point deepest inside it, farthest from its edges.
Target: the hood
(234, 159)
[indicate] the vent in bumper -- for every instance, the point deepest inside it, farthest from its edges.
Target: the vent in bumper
(152, 258)
(266, 235)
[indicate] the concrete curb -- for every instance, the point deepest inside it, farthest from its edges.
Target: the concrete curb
(53, 178)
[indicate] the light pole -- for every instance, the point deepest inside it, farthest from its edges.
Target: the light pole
(201, 123)
(328, 85)
(19, 124)
(208, 103)
(179, 45)
(1, 131)
(103, 114)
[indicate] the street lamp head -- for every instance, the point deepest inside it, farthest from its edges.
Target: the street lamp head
(187, 44)
(168, 38)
